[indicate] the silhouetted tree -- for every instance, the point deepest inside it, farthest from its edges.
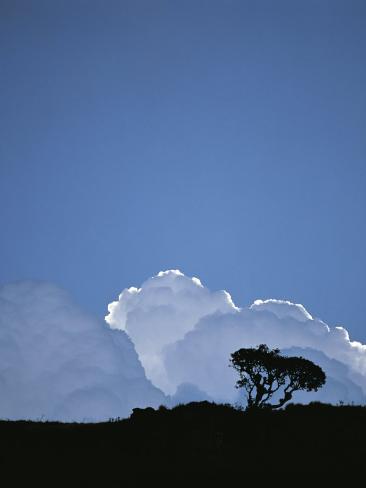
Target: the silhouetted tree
(263, 372)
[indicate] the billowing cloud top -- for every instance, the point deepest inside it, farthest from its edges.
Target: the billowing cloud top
(161, 312)
(282, 309)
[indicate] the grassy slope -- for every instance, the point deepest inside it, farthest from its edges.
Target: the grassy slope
(199, 437)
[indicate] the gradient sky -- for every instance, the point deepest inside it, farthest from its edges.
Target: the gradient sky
(223, 138)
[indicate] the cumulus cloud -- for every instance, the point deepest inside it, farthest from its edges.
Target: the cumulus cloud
(184, 334)
(58, 362)
(202, 355)
(161, 312)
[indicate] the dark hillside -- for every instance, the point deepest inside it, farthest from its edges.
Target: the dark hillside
(198, 438)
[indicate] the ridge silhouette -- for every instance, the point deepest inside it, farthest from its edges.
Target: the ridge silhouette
(197, 439)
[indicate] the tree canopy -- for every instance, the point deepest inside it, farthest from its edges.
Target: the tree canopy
(264, 372)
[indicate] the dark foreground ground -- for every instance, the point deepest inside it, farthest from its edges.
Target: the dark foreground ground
(198, 441)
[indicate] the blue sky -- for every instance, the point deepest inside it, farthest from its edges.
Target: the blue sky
(226, 139)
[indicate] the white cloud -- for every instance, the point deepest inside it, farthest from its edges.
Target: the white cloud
(202, 356)
(161, 312)
(58, 362)
(283, 308)
(184, 334)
